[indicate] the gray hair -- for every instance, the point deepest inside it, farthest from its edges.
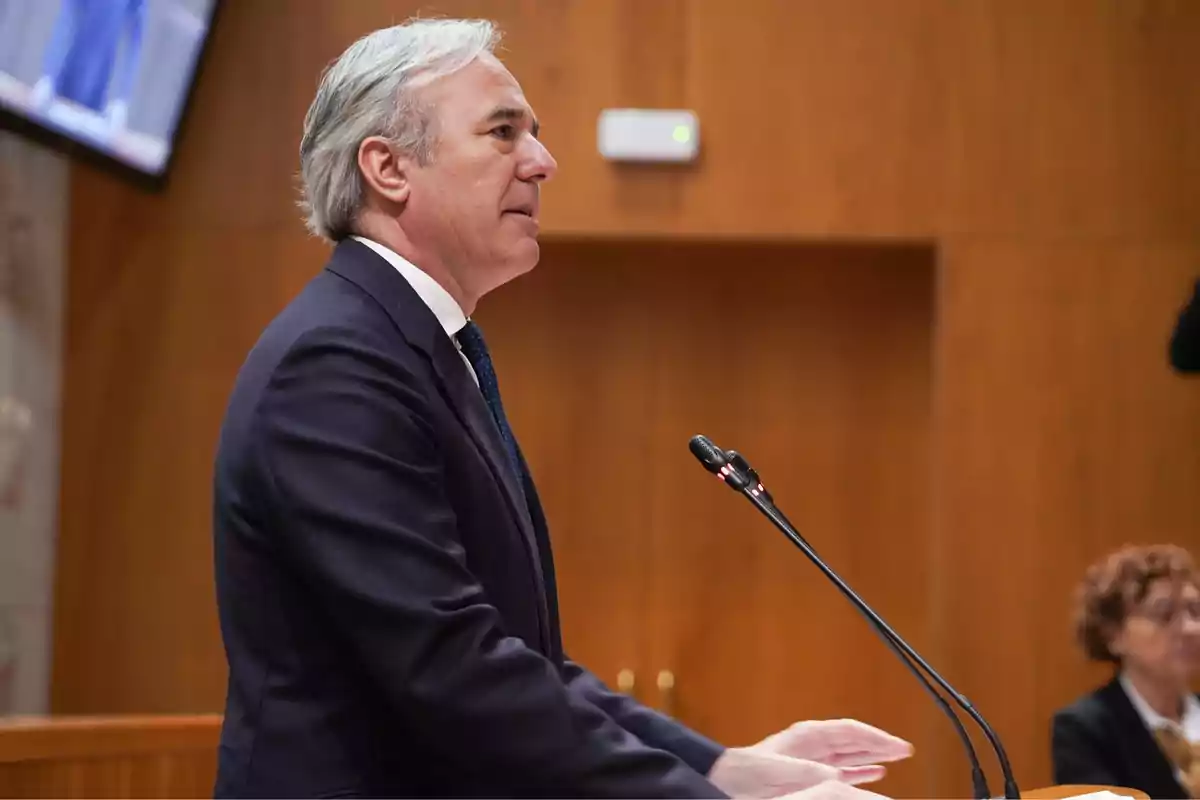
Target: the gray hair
(369, 90)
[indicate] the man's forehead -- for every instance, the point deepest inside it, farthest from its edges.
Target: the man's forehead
(501, 85)
(500, 98)
(486, 86)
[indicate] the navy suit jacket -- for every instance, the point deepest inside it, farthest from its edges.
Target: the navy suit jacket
(386, 594)
(1101, 739)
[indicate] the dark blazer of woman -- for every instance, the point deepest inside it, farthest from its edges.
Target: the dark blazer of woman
(1101, 739)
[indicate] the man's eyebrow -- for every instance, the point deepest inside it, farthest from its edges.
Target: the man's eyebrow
(515, 114)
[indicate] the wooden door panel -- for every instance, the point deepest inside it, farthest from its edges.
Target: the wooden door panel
(569, 342)
(816, 364)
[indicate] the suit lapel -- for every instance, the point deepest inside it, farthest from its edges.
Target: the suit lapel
(464, 397)
(360, 265)
(542, 533)
(1143, 751)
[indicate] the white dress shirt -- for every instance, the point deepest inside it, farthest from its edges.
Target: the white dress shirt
(1188, 726)
(447, 310)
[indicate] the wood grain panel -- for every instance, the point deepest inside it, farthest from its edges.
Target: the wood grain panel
(937, 117)
(573, 346)
(1071, 118)
(134, 756)
(817, 119)
(860, 118)
(1063, 435)
(814, 362)
(155, 355)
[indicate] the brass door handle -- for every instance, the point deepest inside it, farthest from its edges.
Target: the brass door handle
(666, 690)
(626, 681)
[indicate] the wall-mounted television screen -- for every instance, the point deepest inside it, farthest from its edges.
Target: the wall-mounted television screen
(108, 79)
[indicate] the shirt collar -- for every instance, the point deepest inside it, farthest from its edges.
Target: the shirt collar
(449, 314)
(1188, 725)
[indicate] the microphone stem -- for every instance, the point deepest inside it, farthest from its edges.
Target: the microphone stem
(907, 655)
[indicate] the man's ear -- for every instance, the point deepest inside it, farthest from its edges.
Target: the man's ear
(384, 170)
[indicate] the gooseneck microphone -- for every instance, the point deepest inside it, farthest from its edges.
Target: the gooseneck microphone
(733, 469)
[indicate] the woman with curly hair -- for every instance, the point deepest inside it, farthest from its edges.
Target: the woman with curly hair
(1138, 609)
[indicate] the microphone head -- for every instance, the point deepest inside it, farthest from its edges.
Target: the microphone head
(714, 460)
(738, 461)
(707, 453)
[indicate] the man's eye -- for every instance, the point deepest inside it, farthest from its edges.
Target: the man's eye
(504, 131)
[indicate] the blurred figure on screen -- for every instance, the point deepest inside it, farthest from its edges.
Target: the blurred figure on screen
(81, 57)
(1138, 609)
(1185, 339)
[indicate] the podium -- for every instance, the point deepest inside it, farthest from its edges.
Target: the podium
(1066, 791)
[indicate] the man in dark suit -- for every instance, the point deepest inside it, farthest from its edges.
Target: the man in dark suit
(1185, 339)
(384, 575)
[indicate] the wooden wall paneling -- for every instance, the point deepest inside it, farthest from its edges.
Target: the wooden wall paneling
(612, 355)
(1062, 435)
(858, 119)
(571, 344)
(934, 118)
(151, 355)
(1071, 118)
(815, 362)
(817, 119)
(247, 117)
(555, 53)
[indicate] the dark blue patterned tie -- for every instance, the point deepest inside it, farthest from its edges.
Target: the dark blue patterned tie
(470, 339)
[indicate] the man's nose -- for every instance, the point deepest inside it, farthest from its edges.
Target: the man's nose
(538, 165)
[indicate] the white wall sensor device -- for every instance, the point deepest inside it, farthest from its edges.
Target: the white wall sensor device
(648, 134)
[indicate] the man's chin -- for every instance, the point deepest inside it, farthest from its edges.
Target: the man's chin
(525, 256)
(519, 262)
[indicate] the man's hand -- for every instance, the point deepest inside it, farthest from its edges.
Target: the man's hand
(838, 743)
(805, 756)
